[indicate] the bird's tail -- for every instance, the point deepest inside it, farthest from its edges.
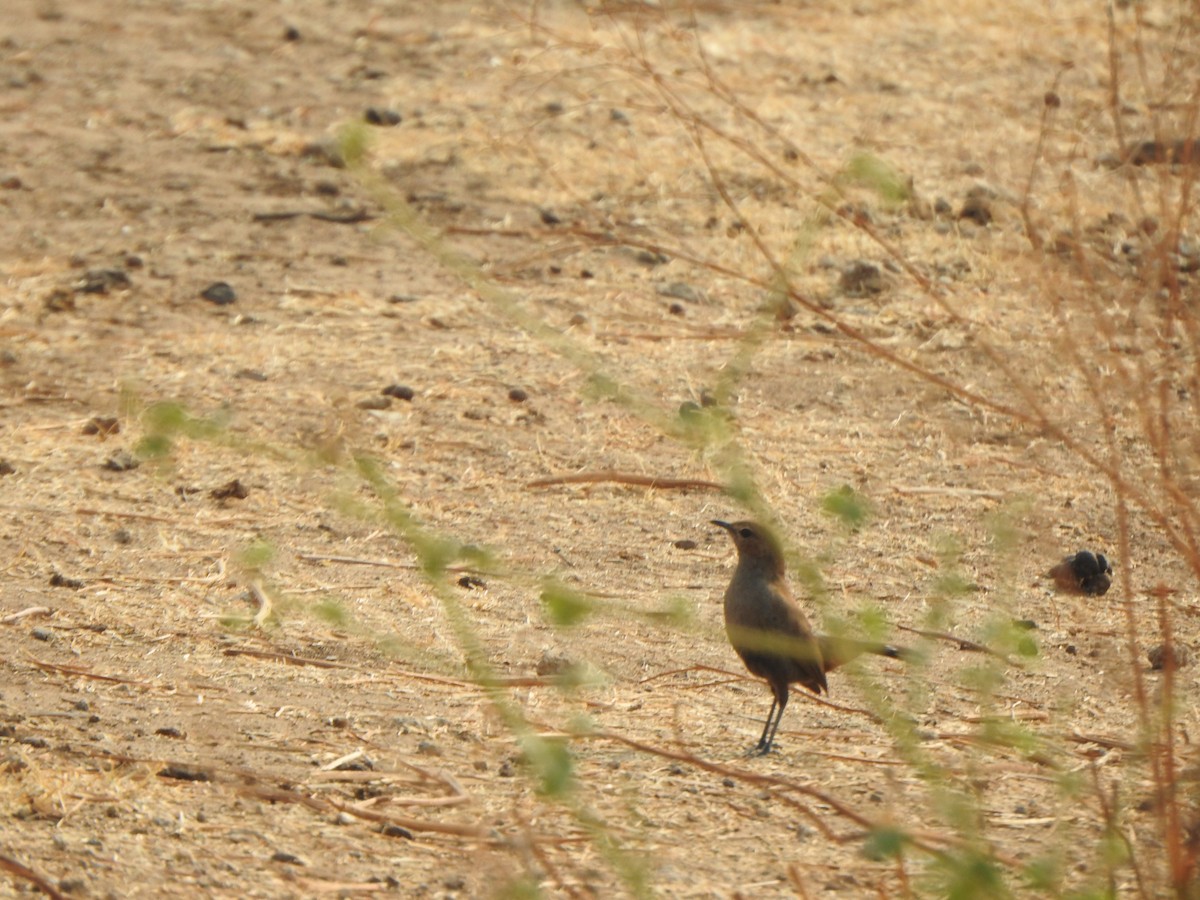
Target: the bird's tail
(837, 651)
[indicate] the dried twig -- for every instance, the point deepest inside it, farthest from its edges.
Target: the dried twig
(608, 475)
(946, 490)
(288, 658)
(12, 618)
(963, 643)
(383, 563)
(23, 871)
(264, 604)
(81, 672)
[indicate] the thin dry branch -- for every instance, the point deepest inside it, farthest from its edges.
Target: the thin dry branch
(963, 643)
(610, 476)
(930, 843)
(13, 618)
(264, 604)
(385, 564)
(20, 870)
(81, 672)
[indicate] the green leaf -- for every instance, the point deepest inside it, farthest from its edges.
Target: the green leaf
(679, 611)
(884, 843)
(154, 446)
(1045, 874)
(551, 763)
(353, 143)
(523, 887)
(257, 555)
(333, 612)
(880, 176)
(563, 605)
(848, 505)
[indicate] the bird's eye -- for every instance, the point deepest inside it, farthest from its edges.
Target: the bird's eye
(746, 533)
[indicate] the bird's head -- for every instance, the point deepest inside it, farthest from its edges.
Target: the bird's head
(756, 545)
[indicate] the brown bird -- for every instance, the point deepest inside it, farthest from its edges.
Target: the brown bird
(1084, 573)
(771, 634)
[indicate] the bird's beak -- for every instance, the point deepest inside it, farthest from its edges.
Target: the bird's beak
(724, 525)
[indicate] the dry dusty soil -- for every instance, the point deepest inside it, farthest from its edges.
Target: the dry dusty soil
(271, 632)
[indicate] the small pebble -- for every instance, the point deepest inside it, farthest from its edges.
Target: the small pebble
(685, 544)
(101, 281)
(389, 830)
(1159, 656)
(121, 461)
(681, 291)
(977, 207)
(399, 391)
(517, 395)
(123, 536)
(553, 664)
(429, 748)
(291, 33)
(386, 118)
(233, 490)
(549, 217)
(219, 293)
(184, 773)
(648, 258)
(861, 278)
(102, 425)
(42, 634)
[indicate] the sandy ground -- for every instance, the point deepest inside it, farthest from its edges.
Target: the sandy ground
(255, 691)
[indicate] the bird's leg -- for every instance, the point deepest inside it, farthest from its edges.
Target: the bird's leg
(781, 700)
(763, 745)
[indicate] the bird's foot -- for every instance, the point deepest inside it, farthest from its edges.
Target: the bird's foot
(759, 749)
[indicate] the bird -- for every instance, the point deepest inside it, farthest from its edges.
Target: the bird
(770, 632)
(1084, 573)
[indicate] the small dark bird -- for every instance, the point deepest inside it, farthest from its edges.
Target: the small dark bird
(1084, 573)
(771, 634)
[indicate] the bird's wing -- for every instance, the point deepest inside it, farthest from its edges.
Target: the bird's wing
(792, 638)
